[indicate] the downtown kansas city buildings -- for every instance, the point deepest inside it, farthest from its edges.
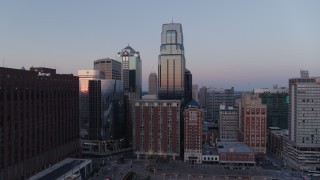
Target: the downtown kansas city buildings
(39, 120)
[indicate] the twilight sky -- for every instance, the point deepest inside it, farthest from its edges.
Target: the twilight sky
(245, 44)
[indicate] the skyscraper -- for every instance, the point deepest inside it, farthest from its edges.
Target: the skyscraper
(108, 68)
(84, 77)
(302, 149)
(277, 101)
(171, 63)
(195, 92)
(215, 98)
(153, 84)
(131, 70)
(39, 120)
(187, 86)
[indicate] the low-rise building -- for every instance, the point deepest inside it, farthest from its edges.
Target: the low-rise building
(209, 154)
(235, 153)
(275, 140)
(67, 169)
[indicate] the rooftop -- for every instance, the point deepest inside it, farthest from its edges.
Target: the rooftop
(209, 150)
(61, 168)
(237, 147)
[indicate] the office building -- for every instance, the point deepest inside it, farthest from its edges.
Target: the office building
(302, 148)
(84, 77)
(253, 122)
(235, 153)
(108, 68)
(203, 101)
(131, 74)
(105, 113)
(39, 120)
(171, 63)
(229, 125)
(187, 86)
(195, 92)
(216, 97)
(128, 101)
(156, 128)
(277, 101)
(153, 84)
(192, 132)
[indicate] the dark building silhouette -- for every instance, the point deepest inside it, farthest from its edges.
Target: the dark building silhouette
(187, 86)
(39, 120)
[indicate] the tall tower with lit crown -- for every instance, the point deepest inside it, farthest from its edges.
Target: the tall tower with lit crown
(171, 63)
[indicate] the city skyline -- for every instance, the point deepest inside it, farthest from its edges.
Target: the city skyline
(243, 44)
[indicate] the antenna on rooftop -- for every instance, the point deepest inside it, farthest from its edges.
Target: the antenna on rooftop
(172, 20)
(2, 61)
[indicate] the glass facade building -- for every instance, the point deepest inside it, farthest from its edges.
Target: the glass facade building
(171, 63)
(131, 70)
(84, 77)
(277, 106)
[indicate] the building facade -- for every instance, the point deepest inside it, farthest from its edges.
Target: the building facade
(171, 63)
(187, 86)
(153, 84)
(84, 77)
(131, 70)
(39, 120)
(156, 128)
(108, 68)
(192, 132)
(229, 125)
(253, 122)
(216, 97)
(277, 101)
(195, 92)
(302, 149)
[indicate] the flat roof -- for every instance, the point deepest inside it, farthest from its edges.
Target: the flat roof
(209, 150)
(61, 168)
(237, 147)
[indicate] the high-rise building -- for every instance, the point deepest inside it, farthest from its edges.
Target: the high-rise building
(203, 96)
(302, 149)
(156, 128)
(228, 123)
(253, 122)
(171, 64)
(216, 97)
(105, 114)
(203, 101)
(39, 120)
(131, 70)
(195, 92)
(108, 68)
(277, 101)
(84, 77)
(153, 84)
(192, 132)
(187, 86)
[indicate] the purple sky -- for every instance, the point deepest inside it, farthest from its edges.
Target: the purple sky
(245, 44)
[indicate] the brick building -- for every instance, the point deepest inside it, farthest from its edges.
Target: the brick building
(156, 128)
(253, 122)
(192, 132)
